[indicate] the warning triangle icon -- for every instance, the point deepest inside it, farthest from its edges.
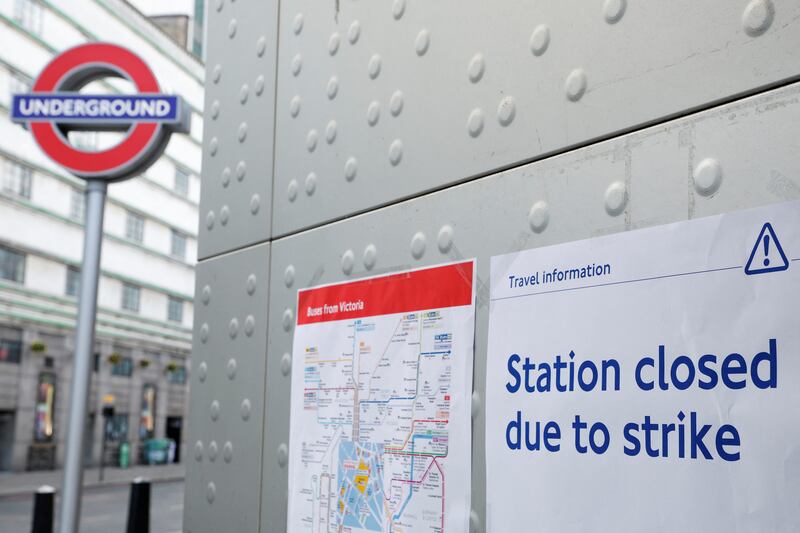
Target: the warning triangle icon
(767, 254)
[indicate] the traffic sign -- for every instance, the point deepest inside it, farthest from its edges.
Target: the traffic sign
(55, 106)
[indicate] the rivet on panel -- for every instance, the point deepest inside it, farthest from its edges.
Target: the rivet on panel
(396, 152)
(373, 113)
(216, 74)
(231, 368)
(445, 238)
(233, 328)
(294, 106)
(539, 216)
(540, 40)
(214, 410)
(291, 190)
(333, 44)
(311, 183)
(707, 176)
(374, 66)
(333, 87)
(241, 170)
(225, 178)
(506, 111)
(398, 8)
(232, 28)
(297, 64)
(202, 372)
(245, 409)
(354, 32)
(255, 203)
(613, 10)
(260, 85)
(211, 492)
(575, 85)
(210, 219)
(311, 140)
(330, 132)
(224, 214)
(212, 451)
(423, 42)
(244, 92)
(396, 103)
(206, 295)
(249, 325)
(370, 256)
(476, 403)
(261, 46)
(213, 146)
(198, 451)
(616, 198)
(227, 452)
(286, 364)
(215, 109)
(204, 333)
(288, 276)
(758, 17)
(350, 169)
(348, 259)
(283, 455)
(288, 319)
(242, 132)
(476, 68)
(298, 24)
(418, 245)
(250, 284)
(475, 122)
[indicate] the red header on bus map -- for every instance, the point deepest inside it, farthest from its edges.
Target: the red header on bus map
(417, 290)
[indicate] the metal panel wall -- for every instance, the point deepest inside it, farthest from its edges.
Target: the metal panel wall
(382, 100)
(236, 199)
(708, 163)
(226, 417)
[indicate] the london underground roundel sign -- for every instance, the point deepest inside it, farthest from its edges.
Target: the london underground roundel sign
(54, 107)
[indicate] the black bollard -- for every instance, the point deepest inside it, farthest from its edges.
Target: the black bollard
(139, 507)
(43, 509)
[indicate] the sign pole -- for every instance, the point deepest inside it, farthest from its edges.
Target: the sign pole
(84, 343)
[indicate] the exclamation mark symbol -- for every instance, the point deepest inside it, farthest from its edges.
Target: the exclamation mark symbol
(766, 250)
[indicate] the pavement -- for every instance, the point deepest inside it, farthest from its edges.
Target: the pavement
(21, 483)
(104, 509)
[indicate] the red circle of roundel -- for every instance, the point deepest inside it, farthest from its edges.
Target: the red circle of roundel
(140, 136)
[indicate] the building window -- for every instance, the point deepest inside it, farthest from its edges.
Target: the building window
(96, 363)
(181, 181)
(73, 281)
(134, 227)
(30, 15)
(18, 83)
(17, 179)
(178, 244)
(12, 265)
(178, 375)
(10, 345)
(122, 366)
(117, 427)
(83, 140)
(45, 408)
(147, 422)
(77, 205)
(175, 309)
(130, 297)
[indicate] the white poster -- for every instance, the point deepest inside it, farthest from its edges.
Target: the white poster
(380, 434)
(649, 380)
